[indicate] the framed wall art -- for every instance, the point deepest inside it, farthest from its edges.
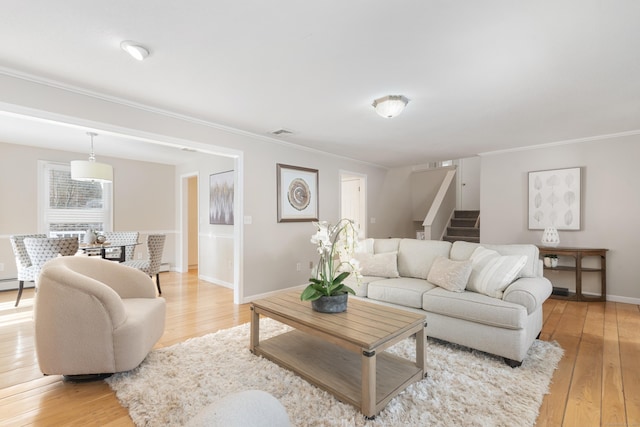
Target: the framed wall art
(554, 199)
(297, 193)
(221, 198)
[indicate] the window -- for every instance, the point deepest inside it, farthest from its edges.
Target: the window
(69, 208)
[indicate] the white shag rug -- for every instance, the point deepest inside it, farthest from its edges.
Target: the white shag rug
(463, 387)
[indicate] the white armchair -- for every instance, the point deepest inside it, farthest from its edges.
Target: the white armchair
(94, 316)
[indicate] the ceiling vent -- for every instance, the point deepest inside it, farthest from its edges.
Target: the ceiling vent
(282, 132)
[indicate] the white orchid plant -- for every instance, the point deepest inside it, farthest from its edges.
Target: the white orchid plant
(336, 245)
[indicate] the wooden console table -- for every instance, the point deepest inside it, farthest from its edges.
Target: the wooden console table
(578, 254)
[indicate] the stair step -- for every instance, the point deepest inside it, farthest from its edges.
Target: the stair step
(461, 238)
(463, 222)
(463, 231)
(466, 214)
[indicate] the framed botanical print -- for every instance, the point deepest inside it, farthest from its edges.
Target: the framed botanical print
(297, 193)
(554, 199)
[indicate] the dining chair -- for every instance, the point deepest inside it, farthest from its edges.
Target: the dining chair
(41, 250)
(115, 238)
(151, 266)
(26, 270)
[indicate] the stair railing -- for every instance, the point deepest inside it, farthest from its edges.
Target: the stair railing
(442, 208)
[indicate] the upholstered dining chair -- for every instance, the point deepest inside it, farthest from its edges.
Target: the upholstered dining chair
(26, 270)
(41, 250)
(94, 317)
(116, 238)
(151, 266)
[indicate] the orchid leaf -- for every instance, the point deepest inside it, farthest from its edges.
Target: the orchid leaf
(310, 294)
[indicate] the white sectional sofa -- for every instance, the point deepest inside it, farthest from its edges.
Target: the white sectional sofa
(479, 313)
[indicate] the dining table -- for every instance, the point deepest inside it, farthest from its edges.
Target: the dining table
(89, 248)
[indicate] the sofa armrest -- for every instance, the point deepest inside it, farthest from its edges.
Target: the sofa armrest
(528, 292)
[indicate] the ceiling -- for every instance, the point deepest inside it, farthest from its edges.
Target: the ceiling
(480, 76)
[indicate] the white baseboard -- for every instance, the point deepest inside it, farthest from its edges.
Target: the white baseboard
(12, 285)
(215, 281)
(268, 294)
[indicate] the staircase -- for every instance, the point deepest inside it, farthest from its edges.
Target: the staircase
(465, 225)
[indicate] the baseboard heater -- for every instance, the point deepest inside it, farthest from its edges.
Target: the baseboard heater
(560, 291)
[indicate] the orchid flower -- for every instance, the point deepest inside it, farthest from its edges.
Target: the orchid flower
(335, 245)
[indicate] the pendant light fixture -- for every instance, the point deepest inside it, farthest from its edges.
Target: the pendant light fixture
(90, 170)
(390, 106)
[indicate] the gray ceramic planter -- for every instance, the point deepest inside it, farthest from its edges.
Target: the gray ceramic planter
(333, 304)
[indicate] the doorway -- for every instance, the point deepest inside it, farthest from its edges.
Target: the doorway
(353, 203)
(192, 223)
(189, 252)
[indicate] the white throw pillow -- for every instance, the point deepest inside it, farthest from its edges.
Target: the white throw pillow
(492, 273)
(450, 275)
(384, 264)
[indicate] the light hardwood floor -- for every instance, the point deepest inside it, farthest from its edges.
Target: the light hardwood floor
(597, 381)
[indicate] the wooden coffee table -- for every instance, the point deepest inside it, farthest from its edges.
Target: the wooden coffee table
(343, 353)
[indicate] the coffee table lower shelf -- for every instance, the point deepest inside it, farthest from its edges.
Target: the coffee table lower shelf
(337, 370)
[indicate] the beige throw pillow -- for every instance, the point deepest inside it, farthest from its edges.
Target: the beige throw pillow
(384, 264)
(492, 273)
(450, 275)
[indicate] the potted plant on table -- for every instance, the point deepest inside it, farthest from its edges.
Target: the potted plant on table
(336, 245)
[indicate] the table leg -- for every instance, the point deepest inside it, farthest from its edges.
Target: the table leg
(254, 339)
(421, 354)
(369, 384)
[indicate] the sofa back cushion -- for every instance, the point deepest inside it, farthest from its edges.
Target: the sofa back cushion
(461, 251)
(385, 245)
(384, 264)
(415, 257)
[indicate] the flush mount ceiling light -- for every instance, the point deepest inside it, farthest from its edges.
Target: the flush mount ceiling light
(134, 49)
(90, 170)
(390, 105)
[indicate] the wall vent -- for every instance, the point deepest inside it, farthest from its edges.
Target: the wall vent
(282, 132)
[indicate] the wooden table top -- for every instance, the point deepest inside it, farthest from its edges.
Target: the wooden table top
(366, 324)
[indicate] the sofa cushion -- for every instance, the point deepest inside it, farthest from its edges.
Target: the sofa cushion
(364, 246)
(416, 256)
(386, 245)
(492, 272)
(360, 287)
(403, 291)
(378, 265)
(450, 275)
(475, 307)
(462, 250)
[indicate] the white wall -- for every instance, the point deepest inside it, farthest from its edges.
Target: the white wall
(215, 241)
(270, 249)
(143, 197)
(610, 204)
